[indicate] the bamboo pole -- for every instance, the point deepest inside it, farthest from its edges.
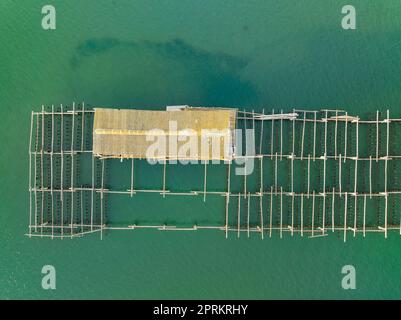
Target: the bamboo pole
(82, 211)
(332, 210)
(339, 175)
(272, 136)
(345, 215)
(281, 137)
(164, 177)
(72, 167)
(271, 212)
(302, 215)
(62, 171)
(370, 176)
(83, 127)
(364, 215)
(246, 164)
(101, 203)
(248, 216)
(281, 212)
(377, 135)
(41, 168)
(313, 212)
(356, 178)
(261, 134)
(303, 136)
(275, 175)
(92, 191)
(132, 177)
(314, 136)
(324, 174)
(335, 136)
(239, 215)
(308, 175)
(35, 172)
(261, 198)
(205, 182)
(51, 171)
(386, 173)
(30, 176)
(228, 196)
(346, 137)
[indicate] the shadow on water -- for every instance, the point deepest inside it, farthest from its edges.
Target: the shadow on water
(326, 68)
(164, 72)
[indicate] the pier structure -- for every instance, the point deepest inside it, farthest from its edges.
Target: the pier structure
(314, 173)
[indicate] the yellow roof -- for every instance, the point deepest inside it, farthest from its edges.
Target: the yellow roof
(128, 133)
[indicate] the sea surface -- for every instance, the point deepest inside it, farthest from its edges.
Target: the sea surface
(148, 54)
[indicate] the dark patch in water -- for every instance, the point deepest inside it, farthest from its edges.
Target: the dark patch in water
(216, 74)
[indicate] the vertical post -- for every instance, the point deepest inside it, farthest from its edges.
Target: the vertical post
(370, 177)
(41, 169)
(261, 216)
(83, 127)
(272, 137)
(314, 136)
(35, 172)
(364, 215)
(101, 202)
(302, 214)
(345, 215)
(228, 195)
(62, 171)
(313, 212)
(248, 213)
(385, 213)
(292, 214)
(246, 160)
(51, 171)
(93, 189)
(72, 167)
(324, 173)
(205, 182)
(261, 133)
(271, 211)
(303, 136)
(308, 175)
(292, 194)
(164, 177)
(30, 177)
(132, 177)
(355, 214)
(356, 178)
(339, 175)
(332, 210)
(281, 136)
(275, 175)
(261, 197)
(281, 212)
(253, 128)
(377, 135)
(346, 136)
(292, 156)
(386, 173)
(292, 177)
(239, 215)
(335, 136)
(82, 212)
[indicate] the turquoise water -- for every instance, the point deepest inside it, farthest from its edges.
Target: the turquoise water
(251, 54)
